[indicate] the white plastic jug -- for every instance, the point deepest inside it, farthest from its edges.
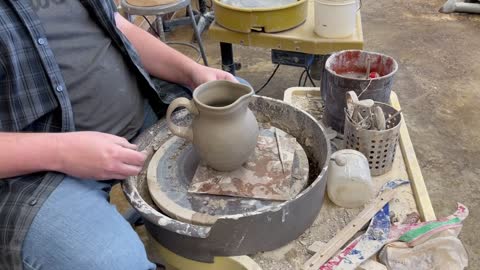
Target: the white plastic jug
(349, 182)
(335, 18)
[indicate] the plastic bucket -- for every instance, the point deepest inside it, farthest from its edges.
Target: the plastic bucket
(335, 19)
(339, 78)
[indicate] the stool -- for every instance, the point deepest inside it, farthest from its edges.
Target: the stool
(158, 11)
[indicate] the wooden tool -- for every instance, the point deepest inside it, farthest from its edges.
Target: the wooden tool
(369, 264)
(279, 148)
(334, 245)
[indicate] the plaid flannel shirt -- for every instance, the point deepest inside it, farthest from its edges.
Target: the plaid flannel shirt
(33, 98)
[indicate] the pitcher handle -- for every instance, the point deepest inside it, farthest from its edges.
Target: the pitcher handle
(184, 132)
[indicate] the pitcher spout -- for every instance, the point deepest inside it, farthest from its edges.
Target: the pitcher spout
(222, 95)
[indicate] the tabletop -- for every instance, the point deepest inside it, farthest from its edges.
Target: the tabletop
(301, 39)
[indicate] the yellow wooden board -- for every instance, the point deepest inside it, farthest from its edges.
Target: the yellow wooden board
(173, 261)
(419, 189)
(301, 39)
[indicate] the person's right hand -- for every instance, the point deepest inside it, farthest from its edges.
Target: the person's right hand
(98, 156)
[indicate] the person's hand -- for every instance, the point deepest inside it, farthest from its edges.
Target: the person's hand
(202, 74)
(98, 156)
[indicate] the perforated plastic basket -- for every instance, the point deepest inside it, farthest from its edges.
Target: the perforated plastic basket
(378, 146)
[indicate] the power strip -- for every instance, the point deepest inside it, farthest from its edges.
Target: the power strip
(297, 59)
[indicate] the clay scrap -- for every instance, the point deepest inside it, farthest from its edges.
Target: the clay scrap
(262, 176)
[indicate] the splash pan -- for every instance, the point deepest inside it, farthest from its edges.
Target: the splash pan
(265, 228)
(172, 168)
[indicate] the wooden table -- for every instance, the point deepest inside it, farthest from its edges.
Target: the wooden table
(299, 39)
(409, 198)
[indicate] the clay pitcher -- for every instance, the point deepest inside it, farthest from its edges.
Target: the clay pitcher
(224, 131)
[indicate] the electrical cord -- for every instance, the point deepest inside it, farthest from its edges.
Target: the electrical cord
(305, 79)
(306, 72)
(151, 26)
(174, 42)
(301, 77)
(269, 79)
(309, 77)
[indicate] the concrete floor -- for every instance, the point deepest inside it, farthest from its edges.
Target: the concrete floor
(439, 75)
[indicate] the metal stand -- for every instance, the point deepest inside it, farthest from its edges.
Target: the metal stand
(159, 28)
(226, 50)
(197, 34)
(161, 10)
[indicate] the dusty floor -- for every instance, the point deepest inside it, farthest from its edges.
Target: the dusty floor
(439, 60)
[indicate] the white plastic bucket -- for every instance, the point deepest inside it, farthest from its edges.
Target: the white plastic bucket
(335, 18)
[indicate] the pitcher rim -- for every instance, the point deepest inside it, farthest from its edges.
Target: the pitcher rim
(232, 105)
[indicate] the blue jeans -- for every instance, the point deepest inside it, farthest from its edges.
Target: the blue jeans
(78, 229)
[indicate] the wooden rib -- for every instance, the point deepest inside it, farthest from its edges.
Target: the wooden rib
(336, 243)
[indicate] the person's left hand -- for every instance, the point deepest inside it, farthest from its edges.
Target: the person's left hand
(202, 74)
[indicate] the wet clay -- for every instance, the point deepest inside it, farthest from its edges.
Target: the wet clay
(224, 131)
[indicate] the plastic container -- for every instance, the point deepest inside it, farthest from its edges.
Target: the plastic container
(340, 77)
(335, 18)
(349, 183)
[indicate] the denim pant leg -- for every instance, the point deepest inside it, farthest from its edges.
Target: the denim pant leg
(77, 229)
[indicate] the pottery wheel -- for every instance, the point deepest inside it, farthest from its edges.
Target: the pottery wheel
(170, 173)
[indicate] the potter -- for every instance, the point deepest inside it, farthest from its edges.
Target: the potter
(224, 131)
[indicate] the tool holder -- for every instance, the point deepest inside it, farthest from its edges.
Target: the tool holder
(379, 146)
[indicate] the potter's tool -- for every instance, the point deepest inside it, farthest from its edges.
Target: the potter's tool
(279, 148)
(374, 114)
(393, 116)
(380, 121)
(355, 104)
(355, 108)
